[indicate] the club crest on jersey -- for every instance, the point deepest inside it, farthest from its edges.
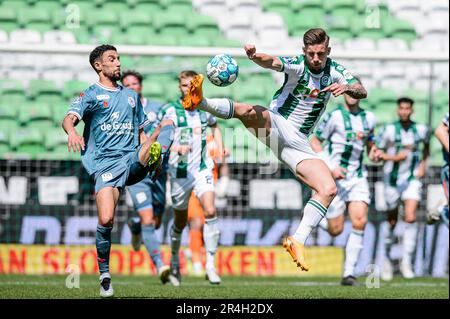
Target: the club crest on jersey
(324, 81)
(131, 101)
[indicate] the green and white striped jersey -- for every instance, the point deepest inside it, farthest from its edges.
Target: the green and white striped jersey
(300, 99)
(190, 130)
(394, 138)
(346, 135)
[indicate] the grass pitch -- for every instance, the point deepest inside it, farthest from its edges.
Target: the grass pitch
(54, 287)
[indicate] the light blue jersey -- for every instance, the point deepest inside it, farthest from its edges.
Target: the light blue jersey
(112, 120)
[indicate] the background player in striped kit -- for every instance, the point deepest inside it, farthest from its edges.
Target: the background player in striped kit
(347, 130)
(310, 79)
(403, 168)
(441, 134)
(149, 196)
(190, 170)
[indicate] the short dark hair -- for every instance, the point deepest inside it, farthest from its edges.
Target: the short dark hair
(98, 52)
(136, 74)
(315, 36)
(405, 99)
(187, 74)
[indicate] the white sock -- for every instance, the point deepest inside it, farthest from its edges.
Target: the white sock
(222, 108)
(352, 250)
(388, 240)
(211, 235)
(324, 224)
(312, 214)
(175, 242)
(409, 242)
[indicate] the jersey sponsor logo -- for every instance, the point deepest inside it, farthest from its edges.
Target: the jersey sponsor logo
(118, 127)
(340, 68)
(107, 177)
(314, 94)
(102, 97)
(131, 101)
(151, 116)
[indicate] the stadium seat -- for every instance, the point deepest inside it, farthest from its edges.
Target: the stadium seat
(49, 5)
(176, 5)
(59, 37)
(55, 137)
(38, 87)
(153, 90)
(203, 26)
(131, 18)
(105, 33)
(116, 6)
(4, 142)
(379, 95)
(362, 29)
(441, 98)
(339, 27)
(25, 36)
(8, 116)
(297, 27)
(389, 44)
(272, 5)
(171, 23)
(36, 116)
(35, 19)
(8, 19)
(419, 96)
(308, 4)
(249, 7)
(27, 141)
(400, 29)
(73, 88)
(14, 4)
(195, 41)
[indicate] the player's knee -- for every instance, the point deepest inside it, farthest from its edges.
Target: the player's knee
(335, 229)
(410, 219)
(210, 212)
(359, 223)
(147, 220)
(106, 221)
(328, 191)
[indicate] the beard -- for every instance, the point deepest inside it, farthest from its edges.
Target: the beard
(113, 76)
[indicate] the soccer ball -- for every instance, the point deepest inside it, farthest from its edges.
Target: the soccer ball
(222, 70)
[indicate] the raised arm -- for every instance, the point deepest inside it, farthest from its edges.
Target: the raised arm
(355, 90)
(264, 60)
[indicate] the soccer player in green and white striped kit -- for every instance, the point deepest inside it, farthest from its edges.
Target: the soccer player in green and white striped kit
(403, 168)
(347, 130)
(310, 79)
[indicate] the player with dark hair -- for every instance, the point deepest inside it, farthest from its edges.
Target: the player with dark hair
(403, 168)
(114, 148)
(310, 79)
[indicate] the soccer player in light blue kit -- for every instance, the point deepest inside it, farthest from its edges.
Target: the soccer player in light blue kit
(148, 196)
(115, 151)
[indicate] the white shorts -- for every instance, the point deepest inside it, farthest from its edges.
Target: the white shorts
(287, 143)
(407, 190)
(181, 188)
(354, 189)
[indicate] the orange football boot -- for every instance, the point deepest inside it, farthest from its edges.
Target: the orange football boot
(195, 94)
(297, 252)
